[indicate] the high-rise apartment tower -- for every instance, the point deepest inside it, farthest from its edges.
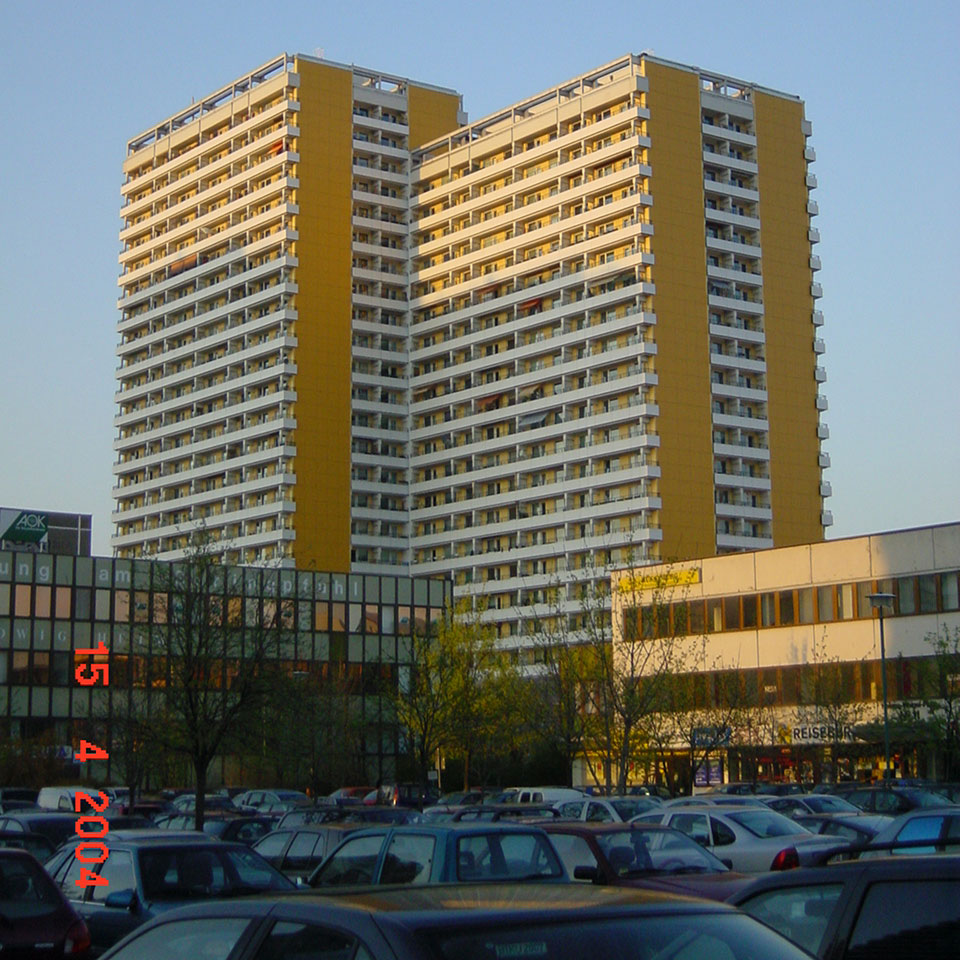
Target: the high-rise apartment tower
(583, 330)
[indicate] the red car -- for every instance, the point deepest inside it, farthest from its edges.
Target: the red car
(37, 919)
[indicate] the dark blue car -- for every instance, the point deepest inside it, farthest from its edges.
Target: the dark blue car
(150, 872)
(441, 853)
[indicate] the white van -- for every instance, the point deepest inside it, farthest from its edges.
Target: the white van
(61, 798)
(547, 795)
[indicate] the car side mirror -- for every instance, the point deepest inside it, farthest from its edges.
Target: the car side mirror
(122, 900)
(587, 873)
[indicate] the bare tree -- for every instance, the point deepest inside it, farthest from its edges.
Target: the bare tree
(829, 698)
(220, 651)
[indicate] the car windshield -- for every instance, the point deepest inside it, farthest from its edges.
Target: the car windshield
(634, 852)
(924, 798)
(188, 872)
(681, 937)
(766, 823)
(25, 890)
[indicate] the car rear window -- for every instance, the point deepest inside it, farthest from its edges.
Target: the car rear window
(904, 920)
(766, 823)
(25, 890)
(800, 913)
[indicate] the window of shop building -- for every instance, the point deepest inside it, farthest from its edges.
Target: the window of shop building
(788, 611)
(825, 612)
(949, 593)
(62, 604)
(906, 598)
(864, 589)
(750, 611)
(805, 605)
(696, 625)
(41, 668)
(731, 613)
(338, 622)
(714, 616)
(845, 609)
(768, 609)
(927, 589)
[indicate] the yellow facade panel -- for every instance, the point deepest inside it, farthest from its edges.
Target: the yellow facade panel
(788, 308)
(323, 318)
(683, 341)
(430, 114)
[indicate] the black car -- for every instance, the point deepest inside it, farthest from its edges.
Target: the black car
(897, 908)
(466, 922)
(150, 872)
(858, 828)
(246, 830)
(56, 827)
(35, 918)
(36, 843)
(892, 800)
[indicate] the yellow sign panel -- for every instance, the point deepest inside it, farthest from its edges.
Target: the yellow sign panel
(675, 578)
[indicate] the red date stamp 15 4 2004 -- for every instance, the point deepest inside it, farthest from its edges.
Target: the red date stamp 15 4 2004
(91, 826)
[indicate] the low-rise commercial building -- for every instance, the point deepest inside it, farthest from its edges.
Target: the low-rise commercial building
(785, 618)
(51, 607)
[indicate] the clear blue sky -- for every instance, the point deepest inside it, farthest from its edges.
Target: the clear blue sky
(880, 81)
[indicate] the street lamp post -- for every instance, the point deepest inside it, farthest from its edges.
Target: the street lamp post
(878, 601)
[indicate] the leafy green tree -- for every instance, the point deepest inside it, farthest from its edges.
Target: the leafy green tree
(941, 680)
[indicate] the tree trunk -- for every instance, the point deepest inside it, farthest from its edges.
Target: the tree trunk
(200, 771)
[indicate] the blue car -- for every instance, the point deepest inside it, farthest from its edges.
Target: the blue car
(150, 872)
(441, 853)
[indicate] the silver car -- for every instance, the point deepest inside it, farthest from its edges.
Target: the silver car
(748, 839)
(607, 809)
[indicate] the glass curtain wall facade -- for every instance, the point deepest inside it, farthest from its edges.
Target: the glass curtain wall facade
(350, 625)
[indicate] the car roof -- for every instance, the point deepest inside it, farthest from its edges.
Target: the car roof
(446, 903)
(921, 867)
(585, 827)
(447, 827)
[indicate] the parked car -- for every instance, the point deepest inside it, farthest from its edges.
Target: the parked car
(614, 809)
(347, 795)
(718, 799)
(37, 920)
(246, 830)
(472, 922)
(149, 873)
(924, 830)
(212, 803)
(61, 798)
(894, 908)
(642, 855)
(403, 795)
(298, 851)
(461, 798)
(34, 843)
(56, 827)
(859, 828)
(547, 795)
(27, 794)
(749, 840)
(13, 806)
(441, 853)
(893, 800)
(511, 812)
(273, 801)
(810, 803)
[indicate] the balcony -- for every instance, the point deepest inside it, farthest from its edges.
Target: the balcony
(816, 291)
(818, 318)
(821, 402)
